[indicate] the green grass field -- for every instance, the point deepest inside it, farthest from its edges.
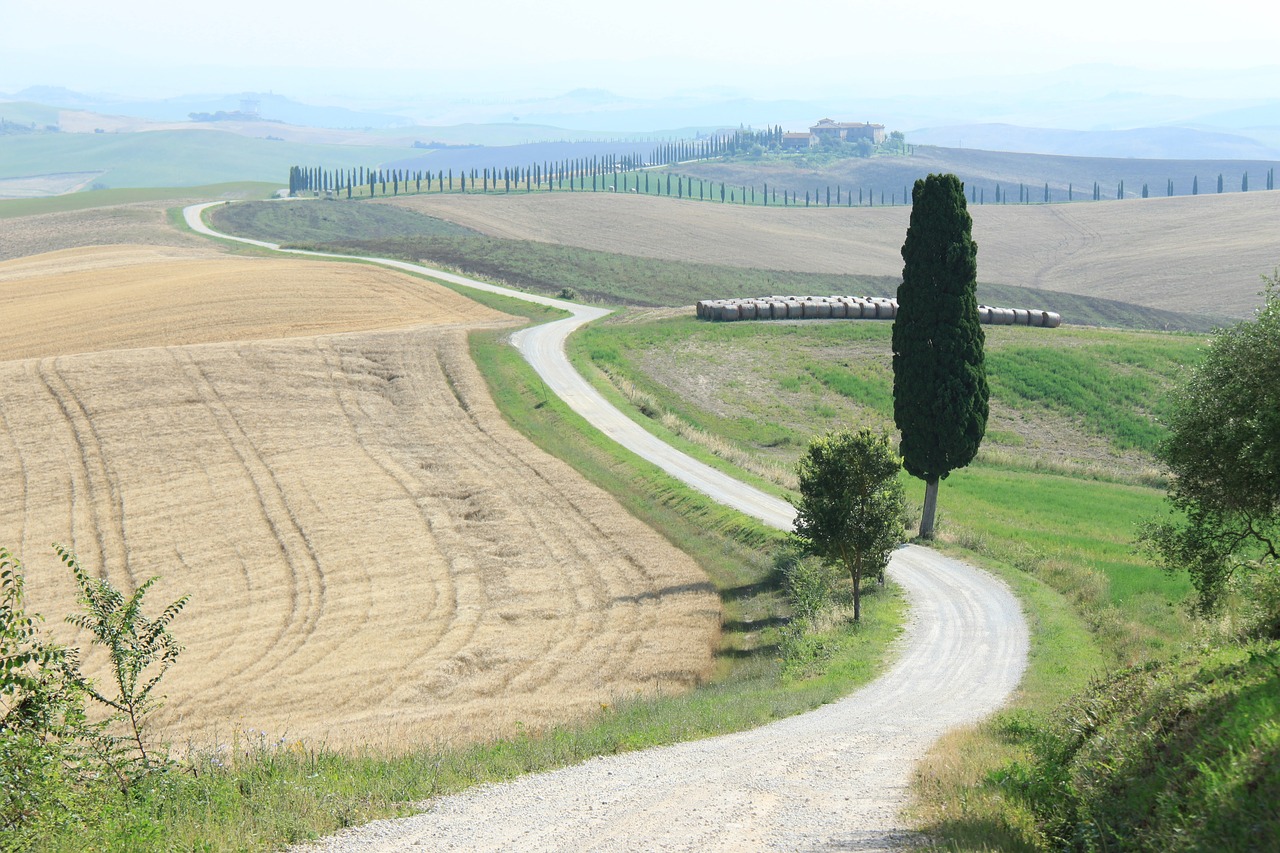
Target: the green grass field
(328, 221)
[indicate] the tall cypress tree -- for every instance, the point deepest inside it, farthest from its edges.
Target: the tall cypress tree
(939, 377)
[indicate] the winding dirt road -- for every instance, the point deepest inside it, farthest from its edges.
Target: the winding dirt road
(834, 779)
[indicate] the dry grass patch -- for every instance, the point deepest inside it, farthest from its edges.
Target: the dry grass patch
(373, 556)
(1188, 253)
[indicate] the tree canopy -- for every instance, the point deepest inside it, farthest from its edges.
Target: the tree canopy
(939, 376)
(1223, 449)
(851, 504)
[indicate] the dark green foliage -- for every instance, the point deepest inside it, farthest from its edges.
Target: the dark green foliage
(939, 379)
(42, 720)
(851, 506)
(1224, 450)
(1172, 757)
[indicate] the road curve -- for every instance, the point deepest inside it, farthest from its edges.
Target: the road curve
(834, 778)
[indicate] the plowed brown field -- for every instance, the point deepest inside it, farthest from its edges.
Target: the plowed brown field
(372, 554)
(1187, 253)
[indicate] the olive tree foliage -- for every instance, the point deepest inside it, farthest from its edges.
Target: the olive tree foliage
(851, 506)
(1223, 449)
(939, 374)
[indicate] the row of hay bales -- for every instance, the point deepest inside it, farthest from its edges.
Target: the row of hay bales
(850, 308)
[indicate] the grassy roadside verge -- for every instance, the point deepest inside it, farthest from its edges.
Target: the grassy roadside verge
(260, 795)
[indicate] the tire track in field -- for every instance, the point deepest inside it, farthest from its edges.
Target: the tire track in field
(307, 595)
(100, 487)
(357, 365)
(16, 455)
(597, 591)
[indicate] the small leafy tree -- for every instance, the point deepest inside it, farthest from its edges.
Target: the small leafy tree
(140, 650)
(850, 512)
(1223, 449)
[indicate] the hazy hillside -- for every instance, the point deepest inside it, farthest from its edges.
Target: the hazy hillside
(983, 170)
(173, 158)
(1182, 254)
(1145, 142)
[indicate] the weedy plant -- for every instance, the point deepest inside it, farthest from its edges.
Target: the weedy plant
(141, 650)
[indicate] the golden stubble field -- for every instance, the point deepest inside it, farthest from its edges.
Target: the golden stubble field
(1197, 253)
(373, 556)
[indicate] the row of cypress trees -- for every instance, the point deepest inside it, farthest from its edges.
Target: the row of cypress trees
(625, 173)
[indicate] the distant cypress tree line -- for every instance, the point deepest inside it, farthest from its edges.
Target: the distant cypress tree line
(632, 173)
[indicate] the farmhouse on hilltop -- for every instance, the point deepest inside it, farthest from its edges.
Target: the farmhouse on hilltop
(835, 131)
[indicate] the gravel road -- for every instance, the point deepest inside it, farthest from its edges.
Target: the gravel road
(833, 779)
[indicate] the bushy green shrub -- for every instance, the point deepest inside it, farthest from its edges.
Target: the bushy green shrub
(812, 585)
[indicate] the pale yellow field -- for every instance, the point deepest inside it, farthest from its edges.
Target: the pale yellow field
(373, 555)
(1201, 253)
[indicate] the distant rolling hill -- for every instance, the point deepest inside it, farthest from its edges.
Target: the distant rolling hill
(1144, 142)
(983, 171)
(1183, 254)
(175, 158)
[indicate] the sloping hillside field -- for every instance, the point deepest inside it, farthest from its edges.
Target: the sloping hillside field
(371, 552)
(1187, 253)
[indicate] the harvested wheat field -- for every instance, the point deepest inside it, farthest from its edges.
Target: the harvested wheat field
(373, 556)
(1187, 253)
(141, 223)
(123, 297)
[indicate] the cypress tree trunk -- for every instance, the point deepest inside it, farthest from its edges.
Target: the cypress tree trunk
(930, 508)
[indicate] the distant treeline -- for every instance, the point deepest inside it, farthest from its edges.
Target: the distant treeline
(632, 173)
(597, 174)
(1032, 194)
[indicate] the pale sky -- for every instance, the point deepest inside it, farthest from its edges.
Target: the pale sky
(655, 47)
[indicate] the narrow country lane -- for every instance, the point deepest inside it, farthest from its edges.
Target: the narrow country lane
(833, 779)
